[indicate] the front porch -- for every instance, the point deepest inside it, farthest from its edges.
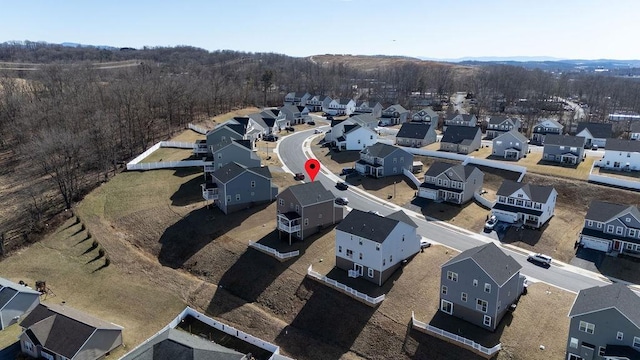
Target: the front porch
(368, 169)
(512, 154)
(568, 159)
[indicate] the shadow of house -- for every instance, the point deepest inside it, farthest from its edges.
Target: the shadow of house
(282, 244)
(328, 316)
(524, 235)
(187, 171)
(188, 193)
(373, 184)
(438, 210)
(364, 286)
(418, 345)
(623, 267)
(502, 173)
(564, 165)
(343, 157)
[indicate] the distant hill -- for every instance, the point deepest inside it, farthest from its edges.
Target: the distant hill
(102, 47)
(496, 59)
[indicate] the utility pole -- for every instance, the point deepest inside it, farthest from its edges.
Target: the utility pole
(394, 189)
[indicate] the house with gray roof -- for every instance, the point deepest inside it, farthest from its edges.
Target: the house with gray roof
(15, 300)
(304, 209)
(235, 187)
(338, 127)
(543, 128)
(563, 149)
(278, 116)
(612, 228)
(451, 183)
(499, 125)
(426, 115)
(267, 124)
(368, 107)
(604, 324)
(296, 98)
(318, 102)
(524, 204)
(621, 155)
(394, 115)
(238, 151)
(460, 120)
(224, 132)
(511, 145)
(479, 285)
(595, 134)
(461, 139)
(340, 107)
(296, 114)
(415, 134)
(379, 160)
(356, 137)
(61, 332)
(372, 246)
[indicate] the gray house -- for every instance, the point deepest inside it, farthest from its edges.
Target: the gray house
(381, 160)
(318, 102)
(605, 324)
(451, 183)
(305, 209)
(15, 300)
(612, 228)
(525, 204)
(594, 133)
(416, 134)
(228, 151)
(461, 139)
(511, 145)
(479, 285)
(296, 98)
(543, 128)
(394, 115)
(426, 115)
(60, 332)
(563, 149)
(368, 107)
(224, 132)
(296, 114)
(235, 187)
(499, 125)
(461, 120)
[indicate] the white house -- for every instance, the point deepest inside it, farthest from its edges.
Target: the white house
(623, 155)
(296, 114)
(594, 133)
(338, 126)
(340, 107)
(296, 98)
(373, 246)
(356, 137)
(318, 102)
(530, 205)
(368, 107)
(394, 115)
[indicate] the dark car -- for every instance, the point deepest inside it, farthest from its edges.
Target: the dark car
(329, 117)
(342, 186)
(299, 176)
(311, 123)
(347, 171)
(342, 201)
(290, 128)
(270, 137)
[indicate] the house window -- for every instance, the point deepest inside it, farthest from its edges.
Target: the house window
(519, 203)
(370, 272)
(487, 288)
(610, 228)
(601, 350)
(237, 197)
(228, 198)
(390, 259)
(573, 343)
(538, 206)
(339, 249)
(486, 320)
(446, 306)
(281, 202)
(371, 137)
(320, 216)
(481, 305)
(384, 262)
(452, 276)
(360, 256)
(475, 282)
(589, 223)
(510, 201)
(358, 141)
(636, 342)
(253, 184)
(463, 296)
(627, 219)
(360, 241)
(619, 230)
(395, 160)
(306, 221)
(297, 208)
(528, 204)
(586, 327)
(444, 290)
(620, 336)
(219, 155)
(632, 232)
(378, 247)
(28, 346)
(349, 253)
(599, 226)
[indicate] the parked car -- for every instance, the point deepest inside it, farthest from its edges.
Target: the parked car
(299, 176)
(270, 137)
(491, 223)
(311, 123)
(329, 117)
(317, 131)
(342, 201)
(594, 147)
(290, 128)
(347, 171)
(424, 244)
(540, 259)
(342, 186)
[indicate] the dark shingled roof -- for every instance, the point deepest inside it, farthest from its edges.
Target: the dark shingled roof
(413, 131)
(461, 171)
(537, 193)
(311, 193)
(6, 294)
(344, 101)
(564, 140)
(402, 217)
(610, 296)
(497, 120)
(380, 150)
(233, 170)
(623, 145)
(456, 134)
(602, 211)
(597, 130)
(369, 225)
(515, 133)
(493, 261)
(634, 128)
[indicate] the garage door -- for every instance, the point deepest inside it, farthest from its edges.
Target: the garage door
(596, 244)
(428, 193)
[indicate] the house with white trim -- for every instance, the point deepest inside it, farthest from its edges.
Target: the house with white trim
(451, 183)
(340, 107)
(612, 228)
(511, 145)
(318, 102)
(543, 128)
(394, 115)
(460, 120)
(525, 204)
(426, 115)
(621, 155)
(368, 107)
(415, 134)
(296, 114)
(499, 125)
(595, 134)
(461, 139)
(356, 137)
(15, 301)
(563, 149)
(380, 160)
(296, 98)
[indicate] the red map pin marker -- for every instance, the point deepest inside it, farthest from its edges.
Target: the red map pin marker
(312, 166)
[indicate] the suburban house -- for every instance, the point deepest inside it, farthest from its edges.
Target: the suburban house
(426, 115)
(278, 116)
(368, 107)
(479, 285)
(296, 98)
(296, 114)
(374, 246)
(612, 228)
(224, 132)
(381, 160)
(305, 209)
(634, 130)
(460, 120)
(15, 300)
(543, 128)
(511, 145)
(461, 139)
(394, 115)
(268, 124)
(605, 324)
(526, 204)
(621, 155)
(239, 151)
(338, 126)
(318, 102)
(253, 130)
(564, 149)
(356, 137)
(499, 125)
(61, 332)
(235, 187)
(340, 107)
(416, 134)
(595, 134)
(451, 183)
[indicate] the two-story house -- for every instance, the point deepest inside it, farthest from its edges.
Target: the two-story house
(621, 155)
(268, 124)
(253, 130)
(381, 160)
(278, 116)
(373, 246)
(452, 183)
(595, 134)
(15, 300)
(235, 187)
(356, 137)
(511, 145)
(543, 128)
(460, 120)
(340, 107)
(563, 149)
(426, 115)
(296, 98)
(227, 151)
(526, 204)
(368, 107)
(479, 285)
(394, 115)
(612, 228)
(461, 139)
(415, 134)
(338, 126)
(318, 102)
(605, 324)
(296, 114)
(224, 132)
(304, 209)
(499, 125)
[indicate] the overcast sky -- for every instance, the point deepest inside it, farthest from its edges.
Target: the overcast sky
(586, 29)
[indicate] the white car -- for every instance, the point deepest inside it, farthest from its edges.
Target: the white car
(491, 223)
(540, 259)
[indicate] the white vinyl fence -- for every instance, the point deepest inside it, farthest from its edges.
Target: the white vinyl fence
(135, 164)
(483, 201)
(411, 177)
(462, 340)
(497, 165)
(610, 180)
(368, 299)
(177, 144)
(434, 153)
(273, 252)
(198, 129)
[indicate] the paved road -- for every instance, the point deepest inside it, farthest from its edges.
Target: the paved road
(290, 150)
